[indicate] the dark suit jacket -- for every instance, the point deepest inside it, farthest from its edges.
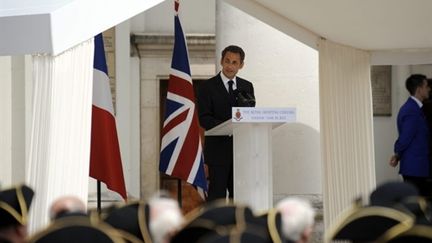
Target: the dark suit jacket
(214, 107)
(427, 110)
(412, 144)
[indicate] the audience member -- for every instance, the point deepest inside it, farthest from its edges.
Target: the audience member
(131, 220)
(67, 206)
(236, 236)
(14, 207)
(165, 218)
(297, 219)
(391, 193)
(77, 230)
(403, 197)
(395, 207)
(216, 217)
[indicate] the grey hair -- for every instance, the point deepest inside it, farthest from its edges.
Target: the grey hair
(297, 217)
(165, 218)
(66, 204)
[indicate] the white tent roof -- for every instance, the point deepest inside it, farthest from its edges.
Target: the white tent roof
(45, 26)
(364, 24)
(53, 26)
(396, 32)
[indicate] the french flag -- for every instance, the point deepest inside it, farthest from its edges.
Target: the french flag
(105, 158)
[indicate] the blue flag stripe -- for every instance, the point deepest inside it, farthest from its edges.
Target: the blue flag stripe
(99, 61)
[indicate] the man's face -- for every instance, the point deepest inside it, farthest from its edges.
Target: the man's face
(424, 90)
(231, 64)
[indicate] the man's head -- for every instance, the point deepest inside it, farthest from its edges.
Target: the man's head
(165, 218)
(65, 205)
(14, 208)
(429, 81)
(232, 60)
(297, 218)
(417, 86)
(391, 193)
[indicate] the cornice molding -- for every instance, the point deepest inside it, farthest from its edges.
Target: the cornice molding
(159, 44)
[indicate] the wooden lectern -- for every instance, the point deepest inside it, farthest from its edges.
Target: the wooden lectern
(252, 131)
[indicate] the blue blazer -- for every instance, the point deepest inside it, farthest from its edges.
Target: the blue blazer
(412, 144)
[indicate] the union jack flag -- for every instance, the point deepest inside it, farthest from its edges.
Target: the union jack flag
(181, 151)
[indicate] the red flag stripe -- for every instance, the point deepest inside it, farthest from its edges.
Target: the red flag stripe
(105, 152)
(174, 122)
(177, 86)
(182, 170)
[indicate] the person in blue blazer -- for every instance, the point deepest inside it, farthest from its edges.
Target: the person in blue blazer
(412, 146)
(216, 97)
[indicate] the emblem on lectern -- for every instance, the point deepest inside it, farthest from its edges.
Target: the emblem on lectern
(238, 115)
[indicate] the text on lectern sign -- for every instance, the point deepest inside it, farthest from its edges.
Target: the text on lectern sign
(253, 114)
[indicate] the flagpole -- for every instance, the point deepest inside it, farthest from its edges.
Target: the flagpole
(99, 199)
(179, 192)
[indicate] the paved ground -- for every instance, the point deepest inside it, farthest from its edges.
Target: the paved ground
(318, 234)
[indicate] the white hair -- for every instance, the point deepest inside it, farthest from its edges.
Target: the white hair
(297, 217)
(165, 218)
(66, 204)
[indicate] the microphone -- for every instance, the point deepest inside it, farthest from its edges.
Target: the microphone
(244, 99)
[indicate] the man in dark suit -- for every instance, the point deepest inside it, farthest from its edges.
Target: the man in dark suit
(412, 146)
(427, 110)
(216, 97)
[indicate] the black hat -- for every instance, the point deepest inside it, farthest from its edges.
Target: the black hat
(132, 220)
(239, 236)
(14, 205)
(404, 197)
(418, 234)
(274, 225)
(391, 193)
(419, 207)
(217, 216)
(196, 229)
(368, 223)
(97, 214)
(270, 222)
(77, 230)
(224, 214)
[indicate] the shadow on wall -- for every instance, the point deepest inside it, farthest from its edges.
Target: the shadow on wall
(296, 160)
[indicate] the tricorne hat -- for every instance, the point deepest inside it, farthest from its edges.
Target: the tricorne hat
(14, 205)
(77, 229)
(365, 224)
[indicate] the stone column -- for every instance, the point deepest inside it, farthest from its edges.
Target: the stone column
(5, 122)
(18, 119)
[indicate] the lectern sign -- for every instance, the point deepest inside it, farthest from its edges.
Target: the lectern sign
(263, 115)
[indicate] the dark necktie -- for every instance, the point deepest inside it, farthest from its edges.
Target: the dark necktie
(231, 91)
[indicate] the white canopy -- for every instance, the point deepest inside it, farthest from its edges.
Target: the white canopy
(395, 31)
(45, 26)
(53, 26)
(366, 24)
